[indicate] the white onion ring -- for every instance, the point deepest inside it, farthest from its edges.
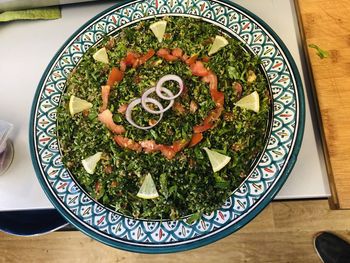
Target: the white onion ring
(151, 90)
(136, 102)
(165, 79)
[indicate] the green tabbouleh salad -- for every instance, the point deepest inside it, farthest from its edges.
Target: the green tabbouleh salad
(184, 180)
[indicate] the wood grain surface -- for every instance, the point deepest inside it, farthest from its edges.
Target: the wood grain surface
(327, 24)
(282, 233)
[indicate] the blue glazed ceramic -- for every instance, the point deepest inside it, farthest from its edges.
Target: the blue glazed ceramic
(262, 184)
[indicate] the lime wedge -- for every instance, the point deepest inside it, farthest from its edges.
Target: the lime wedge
(249, 102)
(217, 160)
(218, 44)
(90, 162)
(148, 189)
(101, 55)
(77, 105)
(158, 29)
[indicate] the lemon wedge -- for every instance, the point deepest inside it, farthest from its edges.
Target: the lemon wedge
(148, 189)
(101, 55)
(158, 29)
(217, 160)
(219, 43)
(90, 162)
(77, 105)
(250, 102)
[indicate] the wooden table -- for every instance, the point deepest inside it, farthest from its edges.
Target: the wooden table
(326, 23)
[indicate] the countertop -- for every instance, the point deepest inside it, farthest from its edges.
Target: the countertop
(24, 60)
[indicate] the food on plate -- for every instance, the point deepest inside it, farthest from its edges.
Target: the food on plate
(77, 105)
(178, 115)
(101, 55)
(90, 162)
(219, 43)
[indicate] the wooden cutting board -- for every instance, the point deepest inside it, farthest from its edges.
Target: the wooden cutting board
(327, 24)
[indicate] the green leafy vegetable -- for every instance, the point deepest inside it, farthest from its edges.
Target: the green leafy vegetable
(320, 52)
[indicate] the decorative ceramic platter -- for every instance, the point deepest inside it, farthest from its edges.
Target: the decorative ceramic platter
(261, 185)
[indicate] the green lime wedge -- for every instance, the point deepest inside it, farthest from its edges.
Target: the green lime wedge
(219, 43)
(158, 29)
(101, 55)
(77, 105)
(217, 160)
(250, 102)
(90, 162)
(148, 189)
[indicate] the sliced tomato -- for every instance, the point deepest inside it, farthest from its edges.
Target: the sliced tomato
(202, 128)
(150, 53)
(115, 76)
(149, 146)
(122, 108)
(184, 57)
(105, 96)
(191, 60)
(106, 117)
(213, 115)
(165, 53)
(218, 97)
(179, 145)
(162, 52)
(167, 151)
(198, 69)
(196, 138)
(127, 143)
(130, 58)
(205, 59)
(177, 52)
(213, 80)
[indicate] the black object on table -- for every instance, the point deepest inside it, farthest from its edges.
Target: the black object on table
(31, 222)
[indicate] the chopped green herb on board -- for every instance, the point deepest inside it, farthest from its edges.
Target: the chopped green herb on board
(320, 52)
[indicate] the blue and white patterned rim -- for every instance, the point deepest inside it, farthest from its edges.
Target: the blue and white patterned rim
(262, 184)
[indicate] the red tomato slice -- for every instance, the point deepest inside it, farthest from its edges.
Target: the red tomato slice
(150, 53)
(196, 138)
(162, 52)
(165, 53)
(191, 60)
(122, 108)
(167, 151)
(130, 58)
(106, 117)
(149, 146)
(179, 145)
(202, 128)
(198, 69)
(114, 76)
(105, 96)
(218, 97)
(205, 59)
(177, 52)
(213, 115)
(127, 143)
